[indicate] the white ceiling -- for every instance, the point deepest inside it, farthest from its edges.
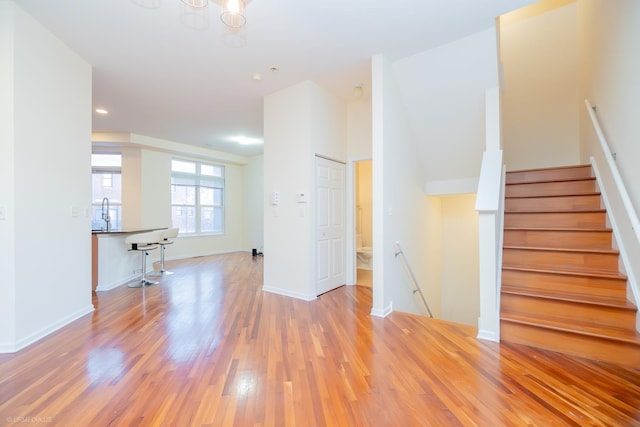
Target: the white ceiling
(160, 77)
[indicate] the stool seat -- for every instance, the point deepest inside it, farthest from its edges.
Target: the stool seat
(144, 242)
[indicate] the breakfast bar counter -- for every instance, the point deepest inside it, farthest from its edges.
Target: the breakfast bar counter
(112, 263)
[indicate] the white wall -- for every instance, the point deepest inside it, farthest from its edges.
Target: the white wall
(328, 131)
(287, 165)
(7, 180)
(444, 91)
(132, 188)
(399, 203)
(610, 79)
(299, 122)
(359, 130)
(460, 261)
(155, 186)
(540, 119)
(47, 225)
(254, 203)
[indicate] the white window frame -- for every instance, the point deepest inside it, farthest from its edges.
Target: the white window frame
(198, 180)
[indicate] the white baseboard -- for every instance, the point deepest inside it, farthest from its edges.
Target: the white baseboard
(382, 312)
(7, 347)
(488, 335)
(28, 340)
(200, 254)
(288, 293)
(113, 285)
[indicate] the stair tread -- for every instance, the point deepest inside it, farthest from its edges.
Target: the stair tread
(569, 272)
(594, 250)
(614, 334)
(552, 211)
(550, 168)
(602, 300)
(589, 229)
(541, 196)
(547, 180)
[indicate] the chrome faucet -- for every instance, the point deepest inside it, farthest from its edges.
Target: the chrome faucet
(105, 213)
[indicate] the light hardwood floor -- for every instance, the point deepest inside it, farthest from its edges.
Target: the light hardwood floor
(208, 347)
(364, 278)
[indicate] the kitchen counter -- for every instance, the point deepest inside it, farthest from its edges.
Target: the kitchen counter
(127, 231)
(112, 263)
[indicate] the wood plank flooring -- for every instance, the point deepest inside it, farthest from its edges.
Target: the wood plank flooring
(207, 347)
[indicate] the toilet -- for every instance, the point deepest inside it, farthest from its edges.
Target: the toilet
(365, 254)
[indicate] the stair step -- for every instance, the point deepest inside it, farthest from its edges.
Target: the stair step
(549, 174)
(551, 188)
(588, 260)
(561, 285)
(573, 282)
(574, 297)
(593, 343)
(558, 237)
(557, 203)
(570, 309)
(579, 219)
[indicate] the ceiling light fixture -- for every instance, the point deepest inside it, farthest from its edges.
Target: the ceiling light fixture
(232, 14)
(243, 140)
(101, 111)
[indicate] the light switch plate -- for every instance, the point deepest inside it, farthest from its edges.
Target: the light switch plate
(3, 212)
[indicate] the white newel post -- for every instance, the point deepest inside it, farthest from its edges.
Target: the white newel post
(489, 207)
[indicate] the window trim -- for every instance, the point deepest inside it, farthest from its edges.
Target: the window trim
(198, 178)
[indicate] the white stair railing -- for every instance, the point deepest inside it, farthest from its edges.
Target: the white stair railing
(413, 282)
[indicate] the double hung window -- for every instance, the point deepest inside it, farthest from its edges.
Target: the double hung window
(197, 197)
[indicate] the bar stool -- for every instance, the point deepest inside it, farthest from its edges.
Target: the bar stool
(144, 242)
(171, 233)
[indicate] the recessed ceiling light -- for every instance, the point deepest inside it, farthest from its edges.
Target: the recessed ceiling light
(101, 111)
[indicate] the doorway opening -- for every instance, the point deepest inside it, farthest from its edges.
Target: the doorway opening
(364, 221)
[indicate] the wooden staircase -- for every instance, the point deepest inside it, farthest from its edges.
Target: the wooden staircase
(561, 285)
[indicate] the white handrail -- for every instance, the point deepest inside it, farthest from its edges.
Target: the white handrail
(624, 196)
(412, 278)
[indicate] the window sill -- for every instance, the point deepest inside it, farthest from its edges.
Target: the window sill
(201, 234)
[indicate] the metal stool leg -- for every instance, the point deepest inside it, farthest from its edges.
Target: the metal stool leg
(162, 270)
(143, 280)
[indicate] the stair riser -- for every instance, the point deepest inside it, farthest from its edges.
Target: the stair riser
(556, 220)
(556, 259)
(577, 345)
(570, 312)
(550, 188)
(587, 285)
(559, 203)
(558, 239)
(549, 174)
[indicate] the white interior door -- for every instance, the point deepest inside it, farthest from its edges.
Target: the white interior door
(330, 225)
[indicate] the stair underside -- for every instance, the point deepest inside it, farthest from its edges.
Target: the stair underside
(561, 285)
